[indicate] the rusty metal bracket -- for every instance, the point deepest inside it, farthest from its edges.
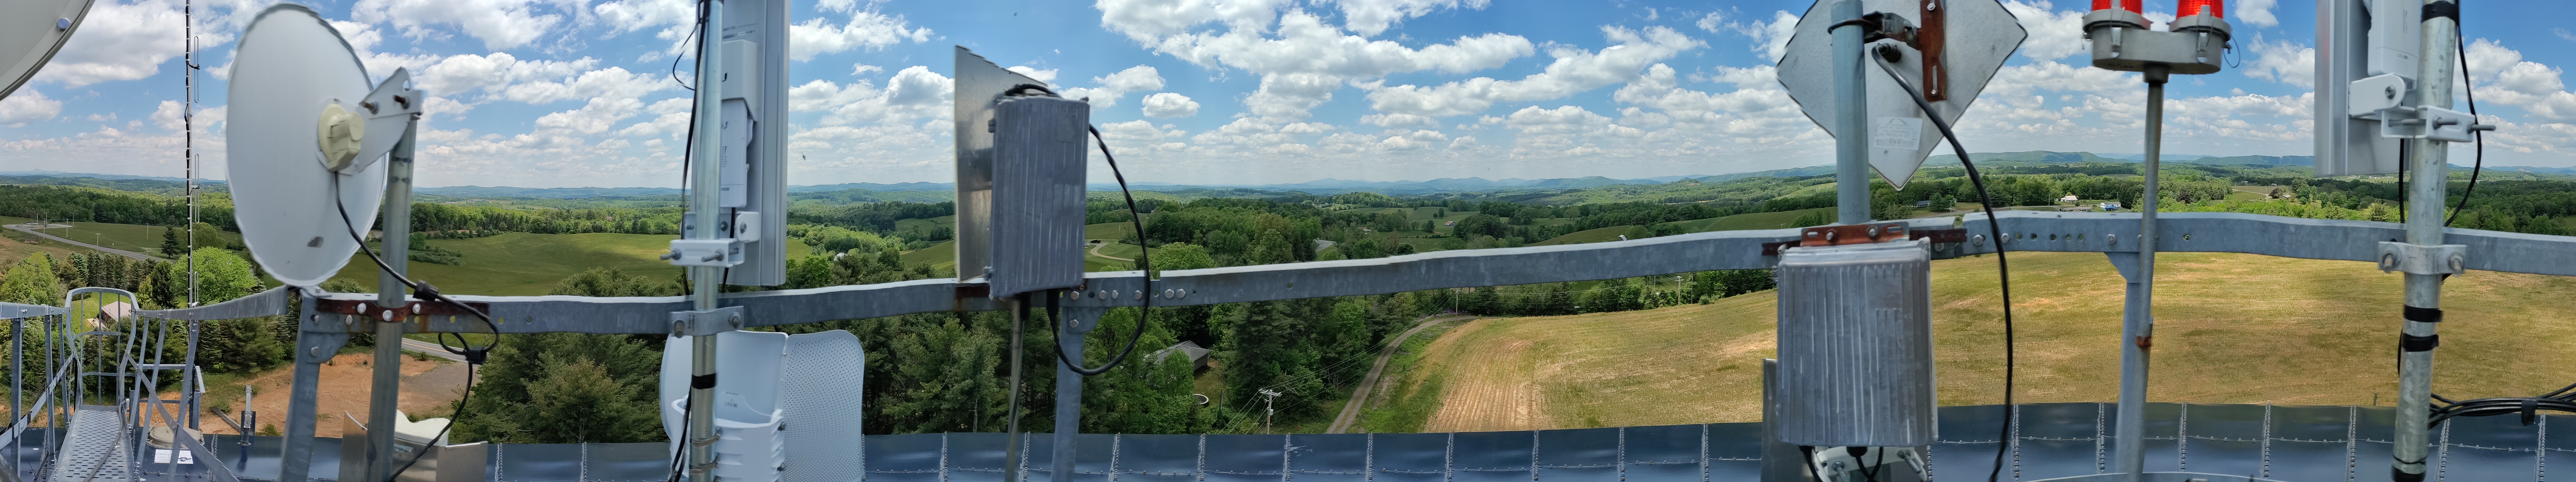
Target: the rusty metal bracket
(1928, 38)
(1851, 234)
(1864, 233)
(369, 309)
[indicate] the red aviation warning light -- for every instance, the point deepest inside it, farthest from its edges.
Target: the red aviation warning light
(2133, 6)
(2215, 8)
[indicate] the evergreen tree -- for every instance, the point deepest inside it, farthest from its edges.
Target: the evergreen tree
(170, 247)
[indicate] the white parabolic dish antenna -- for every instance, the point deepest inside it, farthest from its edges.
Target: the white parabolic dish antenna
(30, 32)
(292, 68)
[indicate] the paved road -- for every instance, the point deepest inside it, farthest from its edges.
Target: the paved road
(1095, 251)
(431, 348)
(1351, 411)
(129, 254)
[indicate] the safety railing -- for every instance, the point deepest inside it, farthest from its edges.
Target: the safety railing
(326, 327)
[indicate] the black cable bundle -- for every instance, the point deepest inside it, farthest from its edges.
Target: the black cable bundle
(2562, 400)
(2003, 271)
(474, 357)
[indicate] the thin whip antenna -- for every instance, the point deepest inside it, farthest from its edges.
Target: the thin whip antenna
(188, 147)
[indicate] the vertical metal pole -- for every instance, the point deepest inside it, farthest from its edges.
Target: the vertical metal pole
(2137, 317)
(704, 279)
(1779, 459)
(1011, 447)
(312, 348)
(188, 145)
(384, 394)
(1068, 388)
(17, 390)
(2424, 220)
(249, 419)
(1851, 109)
(188, 385)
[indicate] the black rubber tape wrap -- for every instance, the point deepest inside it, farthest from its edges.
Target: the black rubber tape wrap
(2427, 315)
(2412, 343)
(2443, 9)
(2402, 476)
(702, 382)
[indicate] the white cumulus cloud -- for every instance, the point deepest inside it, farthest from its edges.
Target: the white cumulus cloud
(868, 29)
(27, 105)
(1169, 104)
(1574, 71)
(500, 24)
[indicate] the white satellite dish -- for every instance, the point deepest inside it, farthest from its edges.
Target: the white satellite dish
(30, 32)
(305, 125)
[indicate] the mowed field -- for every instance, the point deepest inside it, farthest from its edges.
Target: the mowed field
(519, 264)
(2231, 328)
(943, 255)
(140, 238)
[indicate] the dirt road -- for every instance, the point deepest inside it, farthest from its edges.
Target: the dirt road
(1351, 411)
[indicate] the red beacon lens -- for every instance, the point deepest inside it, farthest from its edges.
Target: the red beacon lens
(2133, 6)
(2215, 8)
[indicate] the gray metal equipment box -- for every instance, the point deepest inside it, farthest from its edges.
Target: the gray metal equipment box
(1038, 157)
(1856, 345)
(1019, 222)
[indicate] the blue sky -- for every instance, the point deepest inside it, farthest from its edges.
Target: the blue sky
(573, 93)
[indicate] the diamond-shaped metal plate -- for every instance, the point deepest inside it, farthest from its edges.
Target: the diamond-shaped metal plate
(1979, 36)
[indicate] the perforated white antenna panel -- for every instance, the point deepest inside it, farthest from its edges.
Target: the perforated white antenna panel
(291, 65)
(820, 396)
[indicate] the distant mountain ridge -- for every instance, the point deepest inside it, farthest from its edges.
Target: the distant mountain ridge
(45, 173)
(1318, 186)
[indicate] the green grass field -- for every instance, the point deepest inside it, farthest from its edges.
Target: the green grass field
(140, 238)
(1110, 232)
(1597, 235)
(2320, 335)
(1776, 220)
(529, 264)
(942, 255)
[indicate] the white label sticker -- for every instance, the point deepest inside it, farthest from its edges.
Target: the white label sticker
(1892, 132)
(162, 456)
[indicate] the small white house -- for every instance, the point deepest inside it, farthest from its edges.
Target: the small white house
(2068, 198)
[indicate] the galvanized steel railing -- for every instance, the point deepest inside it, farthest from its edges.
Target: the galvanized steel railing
(327, 327)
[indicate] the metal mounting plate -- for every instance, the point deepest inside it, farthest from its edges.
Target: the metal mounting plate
(709, 322)
(2421, 259)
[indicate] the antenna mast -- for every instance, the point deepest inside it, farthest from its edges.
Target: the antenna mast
(188, 147)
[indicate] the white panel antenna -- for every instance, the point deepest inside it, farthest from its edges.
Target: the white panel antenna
(306, 130)
(766, 384)
(30, 32)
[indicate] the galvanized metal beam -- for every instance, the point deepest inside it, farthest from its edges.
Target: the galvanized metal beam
(2028, 230)
(19, 310)
(265, 303)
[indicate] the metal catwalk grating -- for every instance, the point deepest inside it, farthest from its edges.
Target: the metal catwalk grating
(91, 448)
